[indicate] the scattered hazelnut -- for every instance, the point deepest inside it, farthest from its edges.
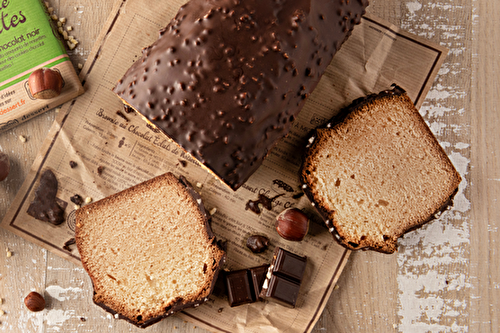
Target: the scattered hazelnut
(69, 28)
(257, 243)
(45, 83)
(34, 302)
(4, 166)
(292, 224)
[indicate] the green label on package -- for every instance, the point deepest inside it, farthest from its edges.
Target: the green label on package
(27, 39)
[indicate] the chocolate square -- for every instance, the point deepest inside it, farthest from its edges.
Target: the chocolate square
(258, 275)
(283, 290)
(289, 265)
(238, 288)
(244, 285)
(284, 277)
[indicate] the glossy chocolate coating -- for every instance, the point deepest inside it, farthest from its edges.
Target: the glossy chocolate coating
(44, 206)
(226, 78)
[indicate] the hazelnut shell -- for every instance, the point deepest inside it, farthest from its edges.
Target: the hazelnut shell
(292, 224)
(34, 302)
(45, 83)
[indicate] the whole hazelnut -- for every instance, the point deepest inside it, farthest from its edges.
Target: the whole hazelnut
(4, 166)
(292, 224)
(257, 243)
(34, 302)
(45, 83)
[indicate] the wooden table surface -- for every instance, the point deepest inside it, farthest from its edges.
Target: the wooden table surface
(445, 277)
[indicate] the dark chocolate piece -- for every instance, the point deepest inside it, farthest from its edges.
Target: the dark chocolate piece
(44, 206)
(289, 264)
(76, 199)
(4, 165)
(239, 290)
(257, 243)
(283, 290)
(100, 169)
(244, 285)
(226, 79)
(284, 277)
(258, 275)
(72, 164)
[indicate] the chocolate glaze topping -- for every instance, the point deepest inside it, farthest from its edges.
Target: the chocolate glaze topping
(226, 78)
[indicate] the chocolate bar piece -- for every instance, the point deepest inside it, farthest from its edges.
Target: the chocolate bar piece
(284, 277)
(226, 79)
(44, 206)
(244, 285)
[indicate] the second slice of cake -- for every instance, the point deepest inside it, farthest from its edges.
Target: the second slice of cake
(149, 250)
(376, 171)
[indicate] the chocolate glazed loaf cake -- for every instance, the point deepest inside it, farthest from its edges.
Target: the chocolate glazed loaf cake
(226, 78)
(376, 171)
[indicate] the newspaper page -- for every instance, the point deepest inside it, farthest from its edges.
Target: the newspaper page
(96, 149)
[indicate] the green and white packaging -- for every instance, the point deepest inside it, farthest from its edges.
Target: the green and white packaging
(29, 41)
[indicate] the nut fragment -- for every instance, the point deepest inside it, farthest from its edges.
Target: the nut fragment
(45, 83)
(257, 243)
(88, 200)
(34, 302)
(4, 165)
(292, 224)
(22, 138)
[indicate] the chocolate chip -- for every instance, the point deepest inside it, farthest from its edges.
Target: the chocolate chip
(76, 199)
(257, 243)
(72, 164)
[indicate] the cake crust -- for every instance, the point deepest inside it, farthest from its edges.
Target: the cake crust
(349, 126)
(109, 300)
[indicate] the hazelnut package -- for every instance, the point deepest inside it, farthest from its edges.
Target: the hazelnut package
(36, 74)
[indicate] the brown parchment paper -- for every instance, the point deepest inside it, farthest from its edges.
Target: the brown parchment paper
(90, 132)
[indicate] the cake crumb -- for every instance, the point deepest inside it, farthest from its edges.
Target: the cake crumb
(213, 211)
(80, 66)
(77, 206)
(2, 312)
(9, 254)
(69, 28)
(22, 138)
(88, 200)
(199, 185)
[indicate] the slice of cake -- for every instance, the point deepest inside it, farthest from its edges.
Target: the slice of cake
(226, 79)
(149, 250)
(376, 171)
